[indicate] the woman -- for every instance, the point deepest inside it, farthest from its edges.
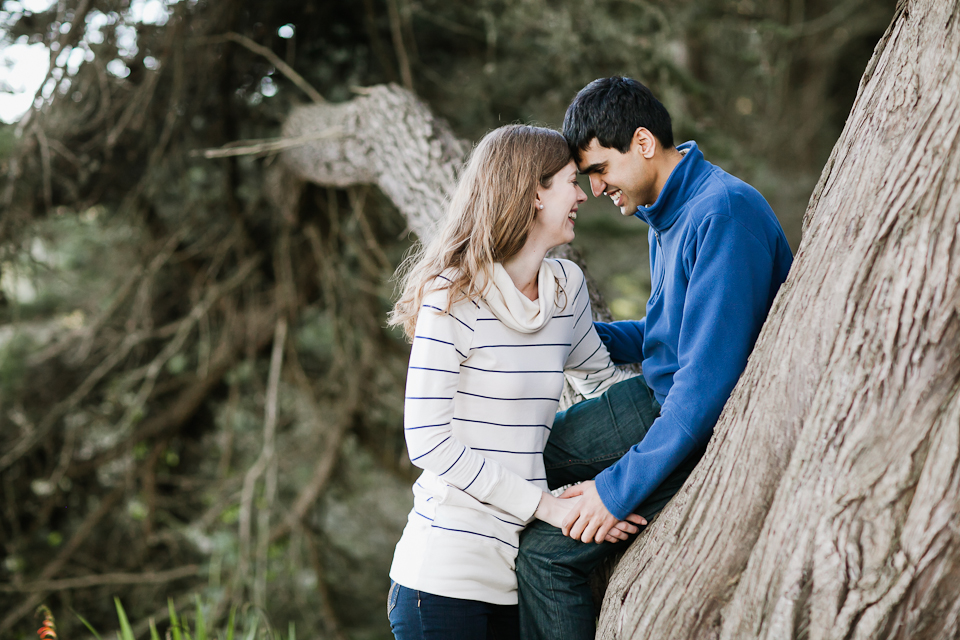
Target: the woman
(494, 328)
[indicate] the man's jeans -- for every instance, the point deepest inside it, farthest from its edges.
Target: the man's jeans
(556, 602)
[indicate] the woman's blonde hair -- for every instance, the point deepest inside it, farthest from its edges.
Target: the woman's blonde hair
(487, 220)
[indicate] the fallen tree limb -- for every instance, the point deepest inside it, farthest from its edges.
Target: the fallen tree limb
(99, 580)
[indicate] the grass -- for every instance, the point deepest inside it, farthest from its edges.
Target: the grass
(253, 626)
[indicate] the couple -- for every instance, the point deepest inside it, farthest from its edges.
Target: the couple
(496, 327)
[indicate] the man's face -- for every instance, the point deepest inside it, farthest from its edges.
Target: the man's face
(626, 178)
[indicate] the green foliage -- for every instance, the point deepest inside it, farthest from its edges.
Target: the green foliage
(14, 351)
(253, 625)
(8, 141)
(126, 633)
(88, 625)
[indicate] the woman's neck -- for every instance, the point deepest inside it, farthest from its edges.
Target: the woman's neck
(524, 270)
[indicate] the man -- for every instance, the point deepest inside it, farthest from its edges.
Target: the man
(717, 258)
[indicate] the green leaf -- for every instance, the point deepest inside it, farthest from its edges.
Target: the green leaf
(126, 633)
(153, 630)
(201, 626)
(87, 625)
(174, 625)
(254, 622)
(230, 622)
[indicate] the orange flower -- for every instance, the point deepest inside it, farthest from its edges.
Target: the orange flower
(48, 630)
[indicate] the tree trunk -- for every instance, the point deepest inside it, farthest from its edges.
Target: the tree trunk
(828, 503)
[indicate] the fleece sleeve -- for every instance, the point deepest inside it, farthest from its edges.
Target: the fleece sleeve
(589, 367)
(623, 339)
(730, 273)
(441, 343)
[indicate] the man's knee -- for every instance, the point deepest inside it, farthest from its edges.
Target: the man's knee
(533, 557)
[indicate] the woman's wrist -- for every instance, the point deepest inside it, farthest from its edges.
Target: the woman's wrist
(549, 510)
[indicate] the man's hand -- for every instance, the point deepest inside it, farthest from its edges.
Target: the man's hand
(590, 521)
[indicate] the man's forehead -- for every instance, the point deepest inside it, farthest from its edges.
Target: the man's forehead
(593, 156)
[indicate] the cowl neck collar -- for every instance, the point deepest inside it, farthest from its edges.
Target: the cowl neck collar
(516, 310)
(664, 212)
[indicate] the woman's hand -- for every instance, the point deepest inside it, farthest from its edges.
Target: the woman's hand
(553, 510)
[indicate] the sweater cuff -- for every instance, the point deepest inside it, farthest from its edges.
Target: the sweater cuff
(631, 480)
(516, 496)
(606, 492)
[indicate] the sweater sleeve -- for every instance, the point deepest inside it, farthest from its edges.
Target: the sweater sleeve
(589, 367)
(730, 274)
(441, 344)
(623, 339)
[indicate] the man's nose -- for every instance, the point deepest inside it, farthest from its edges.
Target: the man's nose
(596, 186)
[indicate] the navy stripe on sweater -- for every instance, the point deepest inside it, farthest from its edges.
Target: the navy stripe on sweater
(429, 369)
(589, 356)
(500, 424)
(511, 346)
(474, 533)
(501, 371)
(455, 461)
(477, 395)
(431, 450)
(430, 306)
(482, 465)
(426, 426)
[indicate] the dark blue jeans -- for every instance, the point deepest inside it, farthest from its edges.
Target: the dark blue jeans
(418, 615)
(553, 571)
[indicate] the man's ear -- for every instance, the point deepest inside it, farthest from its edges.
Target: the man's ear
(645, 142)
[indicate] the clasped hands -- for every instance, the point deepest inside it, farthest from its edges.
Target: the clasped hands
(580, 514)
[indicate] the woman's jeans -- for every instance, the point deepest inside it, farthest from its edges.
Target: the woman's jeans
(553, 571)
(418, 615)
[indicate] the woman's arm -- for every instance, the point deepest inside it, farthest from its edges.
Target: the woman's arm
(589, 367)
(441, 344)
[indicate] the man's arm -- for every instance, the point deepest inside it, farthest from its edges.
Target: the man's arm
(623, 339)
(727, 300)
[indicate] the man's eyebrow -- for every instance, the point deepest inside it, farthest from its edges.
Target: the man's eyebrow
(594, 168)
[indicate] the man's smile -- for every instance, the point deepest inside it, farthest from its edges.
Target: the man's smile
(616, 196)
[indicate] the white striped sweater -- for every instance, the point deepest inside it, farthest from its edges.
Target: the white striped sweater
(480, 402)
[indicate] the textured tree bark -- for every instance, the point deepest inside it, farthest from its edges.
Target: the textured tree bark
(386, 137)
(828, 503)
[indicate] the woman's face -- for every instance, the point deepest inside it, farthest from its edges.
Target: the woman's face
(554, 223)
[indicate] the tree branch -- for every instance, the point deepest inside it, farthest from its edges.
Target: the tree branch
(85, 582)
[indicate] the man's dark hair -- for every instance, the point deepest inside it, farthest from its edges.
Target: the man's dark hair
(610, 110)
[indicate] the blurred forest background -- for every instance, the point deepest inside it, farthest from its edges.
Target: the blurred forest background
(198, 394)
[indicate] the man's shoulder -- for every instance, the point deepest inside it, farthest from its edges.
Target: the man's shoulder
(724, 195)
(725, 191)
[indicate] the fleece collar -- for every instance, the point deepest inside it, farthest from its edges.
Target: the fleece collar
(664, 212)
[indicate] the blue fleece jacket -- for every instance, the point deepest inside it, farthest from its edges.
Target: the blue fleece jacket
(717, 258)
